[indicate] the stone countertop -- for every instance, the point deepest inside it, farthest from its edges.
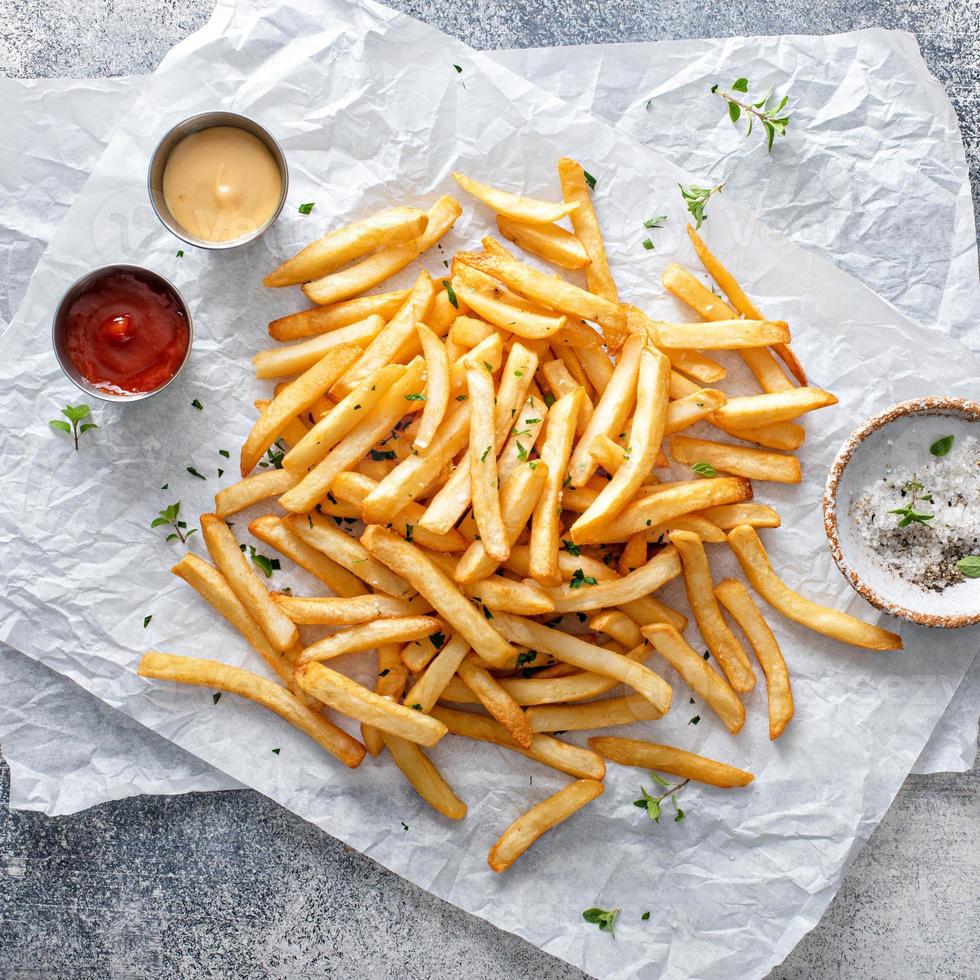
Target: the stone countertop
(230, 884)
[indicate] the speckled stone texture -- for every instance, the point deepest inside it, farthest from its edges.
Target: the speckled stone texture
(231, 885)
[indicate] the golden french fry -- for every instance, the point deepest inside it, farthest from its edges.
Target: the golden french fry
(666, 504)
(755, 464)
(720, 639)
(581, 594)
(555, 452)
(438, 673)
(323, 319)
(556, 294)
(736, 599)
(436, 385)
(245, 583)
(427, 578)
(467, 331)
(367, 636)
(720, 334)
(519, 561)
(689, 409)
(524, 434)
(528, 827)
(570, 759)
(390, 683)
(634, 554)
(350, 242)
(610, 413)
(339, 420)
(244, 493)
(699, 676)
(378, 422)
(337, 286)
(665, 758)
(341, 611)
(497, 701)
(534, 326)
(751, 411)
(525, 598)
(775, 435)
(559, 379)
(326, 537)
(586, 656)
(526, 209)
(598, 367)
(649, 610)
(483, 464)
(280, 535)
(752, 556)
(278, 362)
(217, 676)
(295, 400)
(595, 714)
(351, 699)
(694, 523)
(618, 626)
(548, 241)
(727, 516)
(739, 300)
(426, 780)
(644, 444)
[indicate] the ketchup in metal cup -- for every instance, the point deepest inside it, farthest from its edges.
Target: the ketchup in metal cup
(125, 335)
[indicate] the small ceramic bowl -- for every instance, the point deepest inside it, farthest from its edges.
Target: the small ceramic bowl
(59, 329)
(900, 436)
(194, 124)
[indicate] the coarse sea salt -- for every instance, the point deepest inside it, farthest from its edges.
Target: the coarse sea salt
(946, 491)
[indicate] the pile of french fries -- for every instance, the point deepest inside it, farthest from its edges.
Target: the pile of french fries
(471, 474)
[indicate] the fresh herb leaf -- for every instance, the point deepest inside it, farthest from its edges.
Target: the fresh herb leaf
(695, 720)
(704, 469)
(462, 398)
(416, 707)
(438, 640)
(180, 253)
(657, 222)
(647, 244)
(645, 917)
(170, 516)
(908, 513)
(571, 547)
(696, 198)
(75, 414)
(193, 472)
(451, 293)
(579, 578)
(414, 397)
(225, 453)
(969, 566)
(605, 919)
(773, 115)
(197, 404)
(146, 620)
(459, 71)
(409, 531)
(589, 179)
(942, 446)
(484, 454)
(381, 454)
(526, 658)
(307, 208)
(216, 697)
(654, 804)
(276, 751)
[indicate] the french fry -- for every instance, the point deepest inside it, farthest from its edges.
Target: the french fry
(595, 714)
(280, 535)
(744, 541)
(295, 400)
(685, 411)
(610, 413)
(691, 362)
(720, 639)
(244, 582)
(367, 636)
(618, 626)
(526, 209)
(357, 443)
(699, 676)
(468, 331)
(649, 610)
(754, 464)
(338, 286)
(279, 362)
(644, 444)
(720, 334)
(554, 453)
(436, 386)
(586, 656)
(528, 827)
(341, 611)
(750, 411)
(534, 326)
(217, 676)
(483, 464)
(428, 579)
(392, 676)
(546, 290)
(426, 780)
(525, 598)
(560, 382)
(337, 422)
(736, 599)
(323, 319)
(259, 486)
(775, 435)
(427, 690)
(548, 241)
(357, 702)
(570, 759)
(580, 595)
(666, 504)
(337, 248)
(634, 554)
(728, 516)
(524, 435)
(497, 701)
(665, 758)
(326, 537)
(519, 562)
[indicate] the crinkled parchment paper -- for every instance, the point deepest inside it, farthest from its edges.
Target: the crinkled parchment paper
(371, 111)
(68, 752)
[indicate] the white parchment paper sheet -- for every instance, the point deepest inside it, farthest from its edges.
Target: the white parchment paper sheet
(67, 752)
(732, 890)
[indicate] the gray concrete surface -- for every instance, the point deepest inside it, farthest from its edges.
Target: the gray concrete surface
(232, 885)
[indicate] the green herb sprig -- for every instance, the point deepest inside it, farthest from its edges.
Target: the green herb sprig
(704, 469)
(908, 513)
(696, 198)
(76, 415)
(605, 919)
(170, 516)
(654, 804)
(773, 115)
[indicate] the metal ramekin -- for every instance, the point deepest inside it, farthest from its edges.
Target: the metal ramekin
(60, 323)
(194, 124)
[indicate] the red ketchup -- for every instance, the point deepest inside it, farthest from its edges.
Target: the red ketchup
(125, 335)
